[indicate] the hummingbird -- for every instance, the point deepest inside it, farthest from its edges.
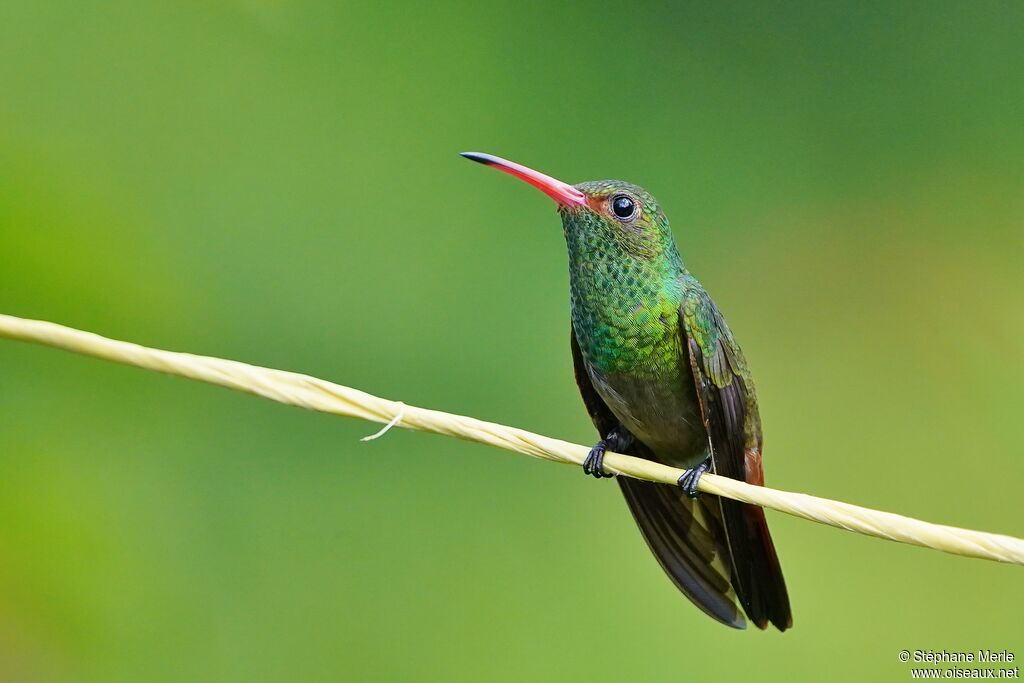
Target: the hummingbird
(663, 378)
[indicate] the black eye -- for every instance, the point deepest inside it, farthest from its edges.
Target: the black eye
(623, 207)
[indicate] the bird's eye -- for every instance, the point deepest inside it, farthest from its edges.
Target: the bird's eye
(623, 207)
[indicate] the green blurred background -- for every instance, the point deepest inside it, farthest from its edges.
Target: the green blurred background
(277, 182)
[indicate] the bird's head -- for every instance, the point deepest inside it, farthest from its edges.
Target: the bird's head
(612, 213)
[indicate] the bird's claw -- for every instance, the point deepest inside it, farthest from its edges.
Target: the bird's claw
(690, 478)
(617, 440)
(594, 462)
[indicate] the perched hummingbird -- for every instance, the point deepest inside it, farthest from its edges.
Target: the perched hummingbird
(663, 378)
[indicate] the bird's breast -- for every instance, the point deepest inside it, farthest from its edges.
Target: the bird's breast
(633, 351)
(617, 333)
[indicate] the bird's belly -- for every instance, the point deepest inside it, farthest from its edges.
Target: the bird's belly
(662, 412)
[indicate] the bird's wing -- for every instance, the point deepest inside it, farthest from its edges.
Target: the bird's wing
(685, 535)
(728, 404)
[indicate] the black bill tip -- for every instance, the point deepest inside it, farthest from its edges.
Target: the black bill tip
(479, 157)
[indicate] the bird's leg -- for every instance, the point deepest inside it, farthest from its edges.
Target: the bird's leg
(689, 479)
(616, 441)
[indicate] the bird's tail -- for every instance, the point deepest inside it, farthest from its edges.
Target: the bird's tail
(716, 551)
(685, 536)
(757, 576)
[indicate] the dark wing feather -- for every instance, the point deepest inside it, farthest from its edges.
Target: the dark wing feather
(729, 409)
(685, 535)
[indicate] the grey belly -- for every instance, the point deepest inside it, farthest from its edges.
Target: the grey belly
(664, 415)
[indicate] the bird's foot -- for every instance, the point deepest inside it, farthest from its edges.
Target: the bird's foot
(691, 477)
(594, 463)
(616, 441)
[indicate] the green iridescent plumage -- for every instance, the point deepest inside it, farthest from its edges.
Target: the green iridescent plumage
(624, 285)
(663, 378)
(657, 360)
